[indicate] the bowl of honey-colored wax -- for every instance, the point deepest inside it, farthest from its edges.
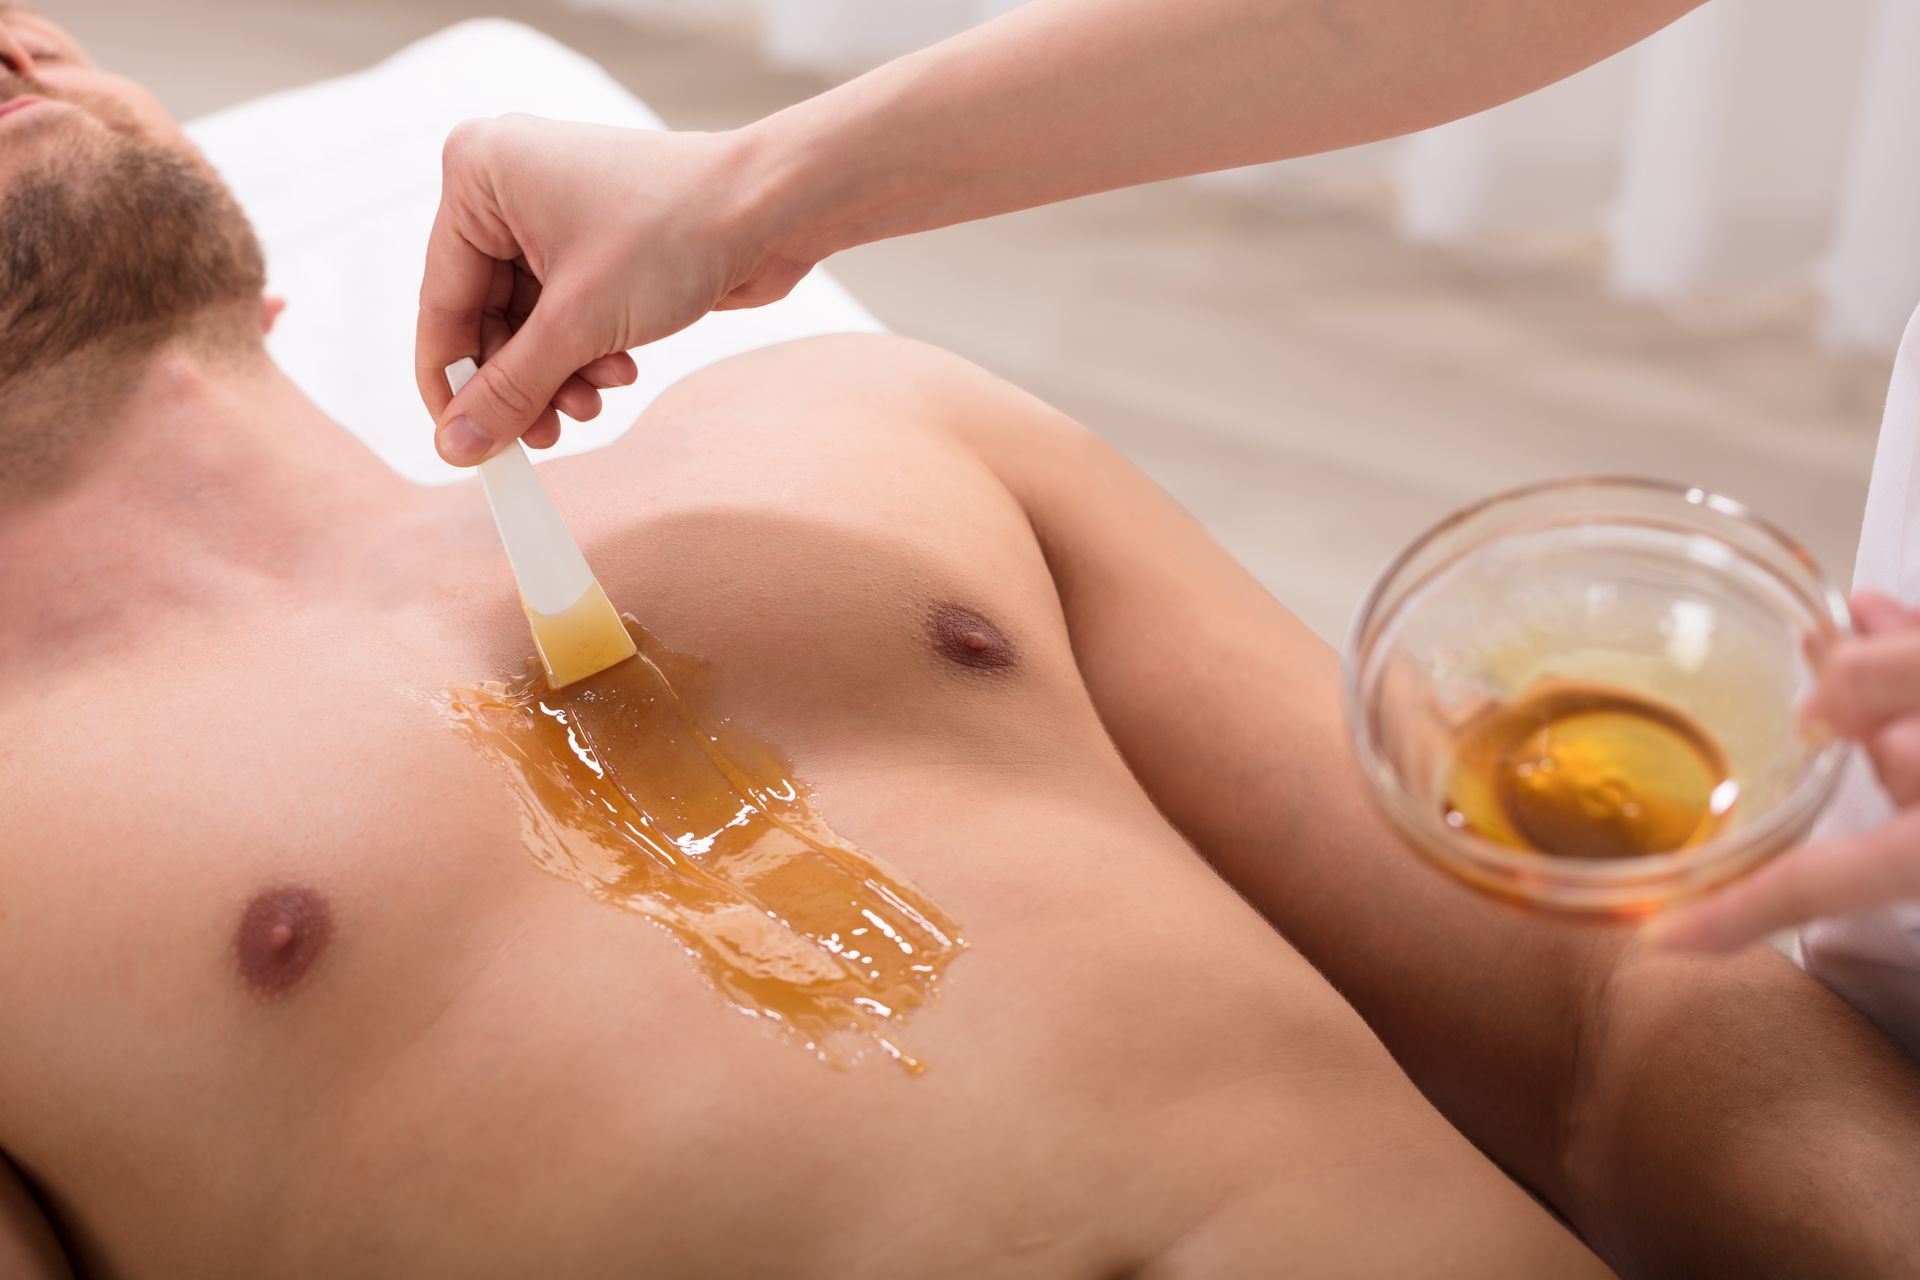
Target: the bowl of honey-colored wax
(1582, 696)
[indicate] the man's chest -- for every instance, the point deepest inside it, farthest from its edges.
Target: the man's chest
(285, 798)
(151, 802)
(846, 616)
(155, 797)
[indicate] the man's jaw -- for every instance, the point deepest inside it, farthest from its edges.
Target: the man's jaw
(33, 124)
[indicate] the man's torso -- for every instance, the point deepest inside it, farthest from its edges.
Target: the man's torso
(486, 1071)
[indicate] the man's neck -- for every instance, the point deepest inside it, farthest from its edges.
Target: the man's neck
(206, 479)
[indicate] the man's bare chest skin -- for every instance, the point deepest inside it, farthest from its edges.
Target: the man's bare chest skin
(638, 789)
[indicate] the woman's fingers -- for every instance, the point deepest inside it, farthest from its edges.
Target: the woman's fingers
(546, 426)
(1868, 682)
(453, 296)
(520, 380)
(577, 400)
(1870, 691)
(616, 370)
(1895, 752)
(526, 293)
(1833, 878)
(1874, 613)
(479, 297)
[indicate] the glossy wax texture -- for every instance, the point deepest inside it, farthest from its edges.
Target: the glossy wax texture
(631, 787)
(1584, 770)
(584, 640)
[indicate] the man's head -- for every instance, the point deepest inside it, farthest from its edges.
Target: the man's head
(115, 235)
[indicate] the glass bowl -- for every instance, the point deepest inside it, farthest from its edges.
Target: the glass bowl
(1663, 592)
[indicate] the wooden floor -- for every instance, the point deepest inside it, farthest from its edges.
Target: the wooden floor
(1311, 389)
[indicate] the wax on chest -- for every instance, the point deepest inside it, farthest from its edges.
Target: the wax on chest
(631, 787)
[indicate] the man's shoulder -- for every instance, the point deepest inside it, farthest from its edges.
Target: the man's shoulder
(862, 422)
(846, 354)
(859, 423)
(905, 377)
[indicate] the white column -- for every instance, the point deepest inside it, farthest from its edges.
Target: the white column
(1736, 145)
(1543, 162)
(840, 37)
(676, 8)
(1871, 277)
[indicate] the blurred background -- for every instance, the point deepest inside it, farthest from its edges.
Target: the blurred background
(1692, 261)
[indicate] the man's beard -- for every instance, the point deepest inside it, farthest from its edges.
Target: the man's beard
(116, 245)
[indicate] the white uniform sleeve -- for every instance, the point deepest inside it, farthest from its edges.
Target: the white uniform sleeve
(1873, 958)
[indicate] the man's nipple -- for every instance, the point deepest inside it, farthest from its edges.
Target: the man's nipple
(969, 638)
(282, 933)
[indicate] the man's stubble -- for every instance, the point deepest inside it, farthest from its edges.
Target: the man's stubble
(110, 248)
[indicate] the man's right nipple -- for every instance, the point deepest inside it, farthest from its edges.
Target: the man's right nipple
(281, 935)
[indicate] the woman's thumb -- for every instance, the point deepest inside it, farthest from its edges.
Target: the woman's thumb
(508, 395)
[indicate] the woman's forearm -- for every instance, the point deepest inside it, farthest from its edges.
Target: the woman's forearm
(631, 235)
(1063, 98)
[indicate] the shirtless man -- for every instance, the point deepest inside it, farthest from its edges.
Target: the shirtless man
(1214, 1020)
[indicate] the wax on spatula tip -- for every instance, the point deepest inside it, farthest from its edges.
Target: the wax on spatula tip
(576, 629)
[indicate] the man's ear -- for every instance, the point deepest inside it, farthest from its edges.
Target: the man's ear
(270, 309)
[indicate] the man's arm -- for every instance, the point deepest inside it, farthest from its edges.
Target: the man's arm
(1689, 1116)
(28, 1248)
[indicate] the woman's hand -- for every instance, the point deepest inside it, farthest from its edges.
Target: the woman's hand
(1871, 694)
(557, 248)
